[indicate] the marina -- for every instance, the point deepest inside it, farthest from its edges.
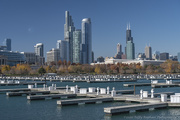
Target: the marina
(99, 94)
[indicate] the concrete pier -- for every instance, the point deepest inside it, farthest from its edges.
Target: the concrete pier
(26, 93)
(51, 96)
(84, 101)
(137, 107)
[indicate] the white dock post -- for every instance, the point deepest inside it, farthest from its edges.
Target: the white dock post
(55, 87)
(75, 90)
(113, 92)
(170, 82)
(67, 88)
(108, 90)
(97, 90)
(163, 97)
(44, 86)
(141, 94)
(152, 93)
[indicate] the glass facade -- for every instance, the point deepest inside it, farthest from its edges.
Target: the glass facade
(76, 46)
(7, 43)
(39, 49)
(130, 48)
(86, 45)
(130, 52)
(13, 58)
(63, 47)
(68, 34)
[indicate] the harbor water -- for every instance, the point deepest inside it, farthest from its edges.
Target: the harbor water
(19, 108)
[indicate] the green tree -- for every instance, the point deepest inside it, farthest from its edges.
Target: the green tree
(41, 70)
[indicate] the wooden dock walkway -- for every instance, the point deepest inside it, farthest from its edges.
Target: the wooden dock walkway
(84, 101)
(137, 107)
(50, 96)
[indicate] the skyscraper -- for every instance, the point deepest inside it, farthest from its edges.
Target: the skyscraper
(76, 46)
(53, 55)
(148, 52)
(63, 47)
(178, 56)
(7, 43)
(119, 49)
(130, 48)
(68, 33)
(39, 49)
(86, 44)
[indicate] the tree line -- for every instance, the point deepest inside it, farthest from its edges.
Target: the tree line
(168, 67)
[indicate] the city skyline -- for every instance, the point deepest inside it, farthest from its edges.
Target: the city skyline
(154, 22)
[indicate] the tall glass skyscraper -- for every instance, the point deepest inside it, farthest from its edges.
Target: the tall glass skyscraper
(7, 43)
(130, 48)
(63, 47)
(68, 33)
(86, 45)
(76, 46)
(39, 49)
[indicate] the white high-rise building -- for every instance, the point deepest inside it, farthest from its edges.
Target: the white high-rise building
(86, 44)
(39, 49)
(53, 55)
(68, 33)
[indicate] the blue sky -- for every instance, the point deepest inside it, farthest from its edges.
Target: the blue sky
(154, 22)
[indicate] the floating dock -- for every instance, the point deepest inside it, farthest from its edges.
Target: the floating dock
(27, 93)
(163, 85)
(51, 96)
(106, 81)
(84, 101)
(137, 107)
(14, 90)
(137, 84)
(21, 83)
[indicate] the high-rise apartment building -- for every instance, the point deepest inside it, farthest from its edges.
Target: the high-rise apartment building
(130, 48)
(148, 52)
(7, 43)
(68, 33)
(86, 44)
(63, 47)
(76, 46)
(39, 49)
(53, 55)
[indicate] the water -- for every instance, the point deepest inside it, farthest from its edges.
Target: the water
(19, 108)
